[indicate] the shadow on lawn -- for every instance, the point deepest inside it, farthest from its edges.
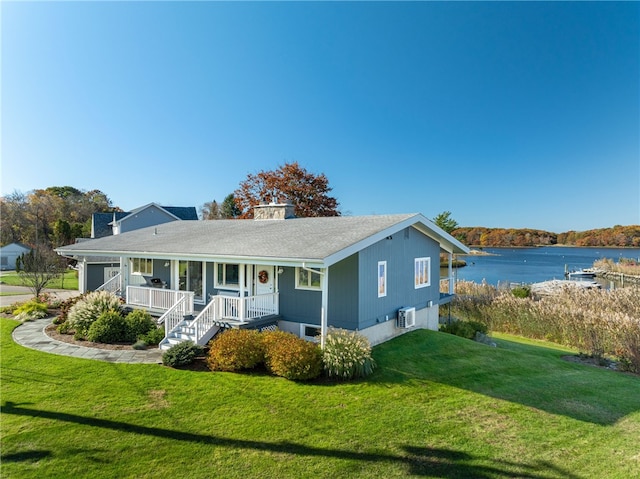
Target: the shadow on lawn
(443, 463)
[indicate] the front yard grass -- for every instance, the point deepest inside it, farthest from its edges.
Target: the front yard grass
(68, 281)
(437, 406)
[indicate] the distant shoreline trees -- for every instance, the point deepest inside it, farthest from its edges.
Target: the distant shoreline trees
(617, 236)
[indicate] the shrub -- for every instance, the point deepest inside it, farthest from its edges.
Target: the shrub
(31, 310)
(291, 357)
(140, 344)
(181, 354)
(464, 329)
(347, 354)
(65, 306)
(153, 337)
(521, 292)
(235, 350)
(110, 327)
(139, 323)
(88, 309)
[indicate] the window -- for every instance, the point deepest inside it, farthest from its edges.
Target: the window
(310, 332)
(382, 279)
(228, 275)
(142, 266)
(306, 279)
(422, 272)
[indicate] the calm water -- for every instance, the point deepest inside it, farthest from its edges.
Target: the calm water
(532, 265)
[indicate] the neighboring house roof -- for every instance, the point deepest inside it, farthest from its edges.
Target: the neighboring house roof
(15, 246)
(103, 222)
(320, 241)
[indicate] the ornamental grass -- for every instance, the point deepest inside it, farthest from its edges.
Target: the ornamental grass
(597, 322)
(347, 354)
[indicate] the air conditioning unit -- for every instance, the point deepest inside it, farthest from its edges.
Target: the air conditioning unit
(406, 318)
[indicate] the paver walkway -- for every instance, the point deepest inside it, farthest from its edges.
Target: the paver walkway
(31, 335)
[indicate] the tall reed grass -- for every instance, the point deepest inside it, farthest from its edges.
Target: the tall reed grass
(597, 322)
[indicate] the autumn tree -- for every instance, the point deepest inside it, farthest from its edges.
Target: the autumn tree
(308, 193)
(444, 221)
(39, 267)
(210, 211)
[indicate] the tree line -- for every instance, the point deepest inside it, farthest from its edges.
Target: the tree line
(57, 215)
(617, 236)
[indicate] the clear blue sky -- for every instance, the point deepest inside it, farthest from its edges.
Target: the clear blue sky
(506, 114)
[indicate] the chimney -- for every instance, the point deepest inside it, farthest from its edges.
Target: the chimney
(273, 211)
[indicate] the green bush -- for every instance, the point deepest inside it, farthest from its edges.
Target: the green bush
(182, 354)
(347, 355)
(465, 329)
(140, 344)
(110, 327)
(88, 309)
(153, 337)
(521, 291)
(291, 357)
(30, 310)
(235, 350)
(139, 323)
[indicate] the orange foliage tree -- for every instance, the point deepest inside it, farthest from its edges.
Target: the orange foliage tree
(308, 193)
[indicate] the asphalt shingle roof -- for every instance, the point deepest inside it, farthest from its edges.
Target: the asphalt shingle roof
(295, 239)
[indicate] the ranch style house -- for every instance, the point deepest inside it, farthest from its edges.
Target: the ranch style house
(379, 275)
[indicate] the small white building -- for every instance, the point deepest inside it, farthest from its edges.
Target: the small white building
(9, 253)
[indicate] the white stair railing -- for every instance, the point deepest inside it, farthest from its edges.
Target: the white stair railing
(113, 285)
(173, 316)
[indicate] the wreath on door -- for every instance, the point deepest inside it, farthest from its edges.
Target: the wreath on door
(263, 276)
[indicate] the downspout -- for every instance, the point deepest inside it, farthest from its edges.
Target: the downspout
(324, 276)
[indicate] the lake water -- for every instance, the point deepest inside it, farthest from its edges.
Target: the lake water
(533, 265)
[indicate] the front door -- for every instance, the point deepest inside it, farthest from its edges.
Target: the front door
(265, 281)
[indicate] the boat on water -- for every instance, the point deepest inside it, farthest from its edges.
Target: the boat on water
(581, 273)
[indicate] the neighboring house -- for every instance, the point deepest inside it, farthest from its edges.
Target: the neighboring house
(379, 275)
(9, 253)
(93, 271)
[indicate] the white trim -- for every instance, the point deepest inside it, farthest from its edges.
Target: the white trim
(224, 284)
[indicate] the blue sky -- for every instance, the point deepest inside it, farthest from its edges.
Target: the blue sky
(511, 115)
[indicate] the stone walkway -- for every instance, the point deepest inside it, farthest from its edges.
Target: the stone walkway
(31, 335)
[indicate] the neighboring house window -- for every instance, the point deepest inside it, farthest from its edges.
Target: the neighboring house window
(142, 266)
(422, 272)
(228, 275)
(4, 261)
(382, 279)
(306, 279)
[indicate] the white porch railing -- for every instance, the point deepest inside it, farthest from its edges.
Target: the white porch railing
(156, 298)
(114, 285)
(447, 285)
(247, 308)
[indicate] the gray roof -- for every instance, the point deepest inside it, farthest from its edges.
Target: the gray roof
(315, 240)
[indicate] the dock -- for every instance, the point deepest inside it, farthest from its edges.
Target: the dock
(555, 286)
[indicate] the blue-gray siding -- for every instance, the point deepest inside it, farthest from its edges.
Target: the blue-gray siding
(353, 292)
(147, 217)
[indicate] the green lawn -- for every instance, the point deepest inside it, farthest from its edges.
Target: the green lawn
(438, 406)
(70, 280)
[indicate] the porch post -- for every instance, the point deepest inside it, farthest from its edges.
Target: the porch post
(124, 276)
(241, 275)
(451, 285)
(324, 277)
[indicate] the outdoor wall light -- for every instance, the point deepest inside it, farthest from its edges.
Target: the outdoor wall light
(166, 264)
(280, 270)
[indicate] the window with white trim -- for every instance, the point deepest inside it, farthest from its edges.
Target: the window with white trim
(422, 272)
(227, 275)
(142, 266)
(382, 279)
(306, 279)
(310, 332)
